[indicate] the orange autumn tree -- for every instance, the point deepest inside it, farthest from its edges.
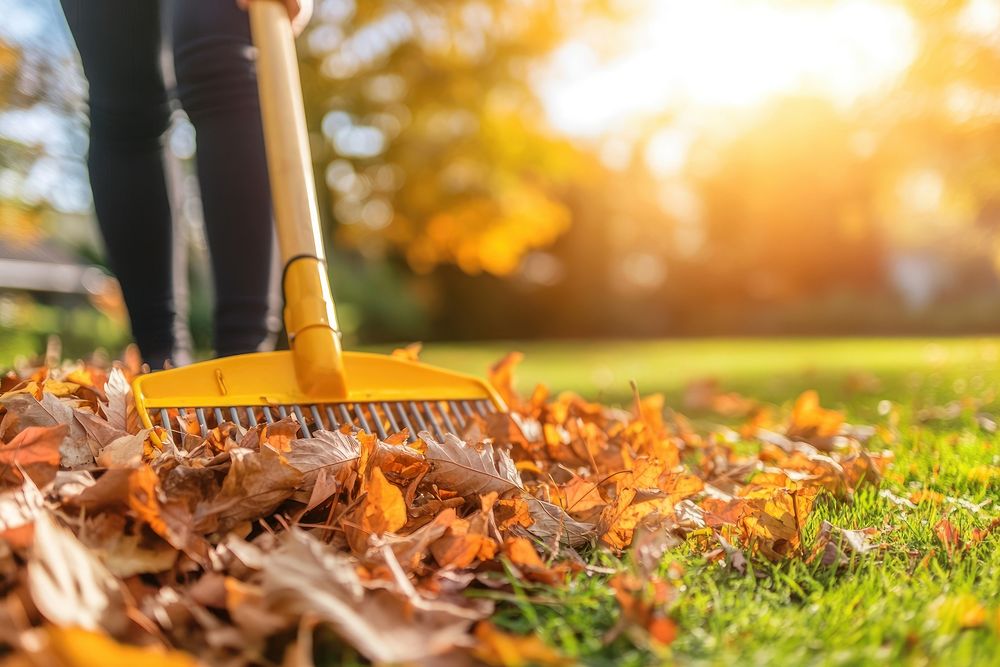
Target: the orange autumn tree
(429, 134)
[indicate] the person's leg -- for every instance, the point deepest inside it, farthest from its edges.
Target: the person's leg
(217, 86)
(119, 43)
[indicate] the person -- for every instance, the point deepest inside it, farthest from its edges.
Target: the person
(119, 42)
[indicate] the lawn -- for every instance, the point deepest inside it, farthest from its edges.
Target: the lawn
(910, 602)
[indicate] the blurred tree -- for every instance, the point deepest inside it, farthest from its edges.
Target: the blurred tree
(432, 139)
(788, 209)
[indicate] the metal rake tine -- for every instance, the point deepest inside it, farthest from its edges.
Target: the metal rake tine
(361, 418)
(165, 419)
(302, 421)
(415, 411)
(268, 417)
(458, 414)
(392, 420)
(282, 411)
(251, 417)
(334, 424)
(443, 409)
(218, 416)
(406, 421)
(433, 420)
(373, 411)
(344, 414)
(317, 420)
(234, 413)
(200, 412)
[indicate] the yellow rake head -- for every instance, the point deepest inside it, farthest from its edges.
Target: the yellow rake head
(384, 395)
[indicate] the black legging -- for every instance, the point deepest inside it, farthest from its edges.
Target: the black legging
(119, 44)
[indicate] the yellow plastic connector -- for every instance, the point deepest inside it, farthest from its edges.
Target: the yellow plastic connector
(312, 328)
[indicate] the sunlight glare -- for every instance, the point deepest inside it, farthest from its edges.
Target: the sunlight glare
(728, 54)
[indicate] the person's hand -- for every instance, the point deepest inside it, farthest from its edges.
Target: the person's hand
(299, 11)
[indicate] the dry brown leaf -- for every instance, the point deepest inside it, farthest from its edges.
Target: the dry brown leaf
(467, 469)
(35, 450)
(411, 550)
(652, 513)
(110, 491)
(99, 432)
(123, 452)
(18, 510)
(257, 482)
(125, 554)
(326, 450)
(120, 408)
(522, 554)
(835, 546)
(551, 523)
(465, 542)
(25, 411)
(249, 609)
(305, 577)
(169, 518)
(68, 584)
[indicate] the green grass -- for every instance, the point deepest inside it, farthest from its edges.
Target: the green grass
(898, 607)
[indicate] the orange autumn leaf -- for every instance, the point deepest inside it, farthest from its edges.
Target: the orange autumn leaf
(409, 353)
(512, 512)
(949, 536)
(778, 522)
(522, 552)
(579, 495)
(679, 486)
(501, 649)
(75, 647)
(643, 602)
(383, 510)
(280, 434)
(501, 376)
(464, 543)
(35, 450)
(619, 534)
(926, 496)
(810, 421)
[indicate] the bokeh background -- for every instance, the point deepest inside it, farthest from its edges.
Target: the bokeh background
(552, 169)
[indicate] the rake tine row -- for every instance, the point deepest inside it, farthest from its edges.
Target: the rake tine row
(381, 419)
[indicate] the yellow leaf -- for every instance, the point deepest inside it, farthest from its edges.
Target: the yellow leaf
(499, 648)
(73, 647)
(963, 610)
(386, 510)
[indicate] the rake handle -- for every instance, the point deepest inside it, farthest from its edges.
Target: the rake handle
(309, 314)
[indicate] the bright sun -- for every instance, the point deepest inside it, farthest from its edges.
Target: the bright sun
(728, 54)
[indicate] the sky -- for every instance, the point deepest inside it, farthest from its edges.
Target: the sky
(727, 55)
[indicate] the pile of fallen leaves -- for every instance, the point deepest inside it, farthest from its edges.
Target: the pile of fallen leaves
(236, 548)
